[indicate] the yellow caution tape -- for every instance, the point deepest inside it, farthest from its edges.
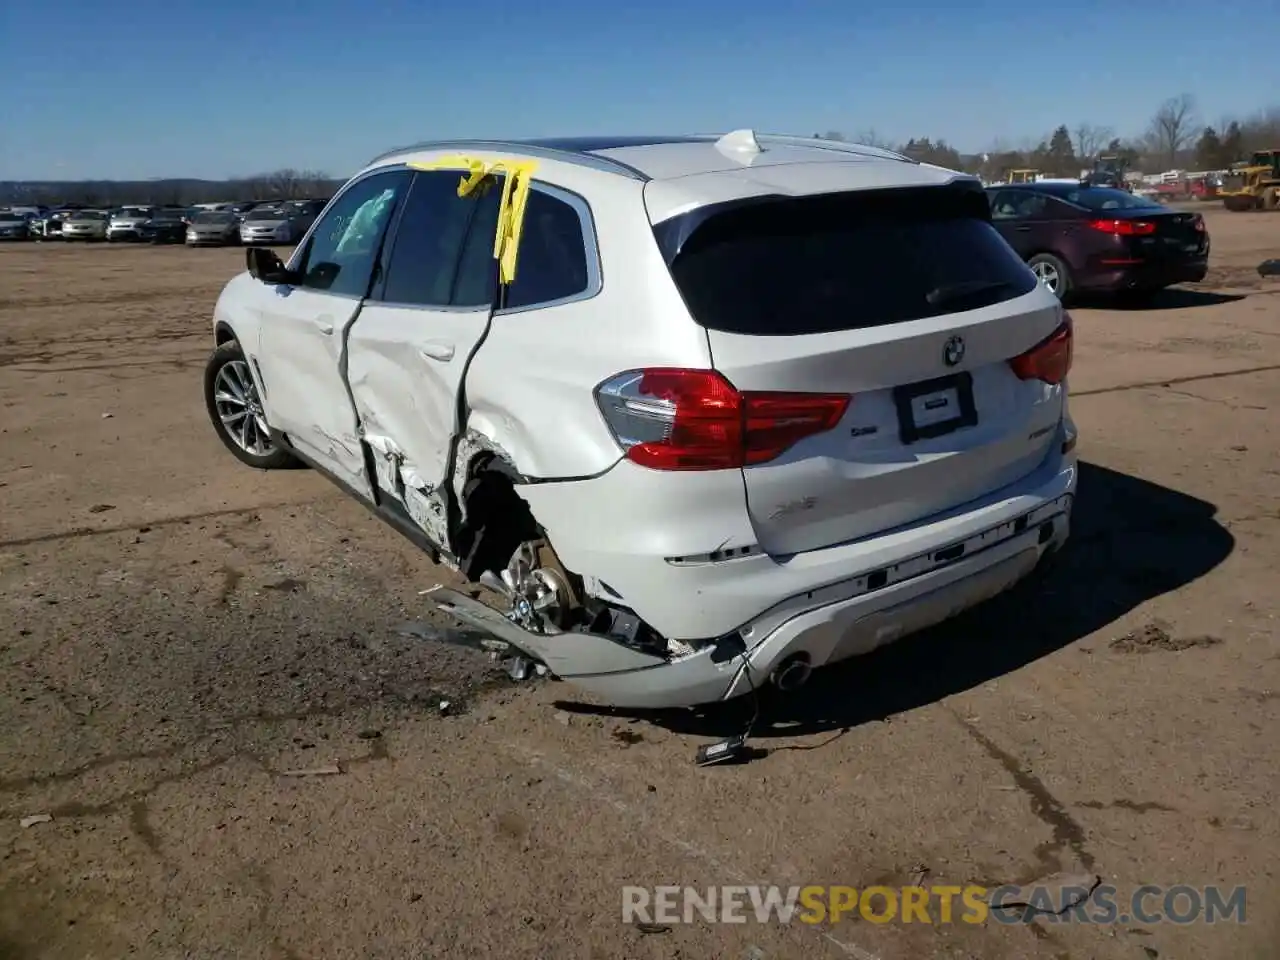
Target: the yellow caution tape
(517, 178)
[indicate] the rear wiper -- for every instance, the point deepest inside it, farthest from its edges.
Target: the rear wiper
(962, 290)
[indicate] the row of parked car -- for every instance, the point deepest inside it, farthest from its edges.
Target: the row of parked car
(247, 222)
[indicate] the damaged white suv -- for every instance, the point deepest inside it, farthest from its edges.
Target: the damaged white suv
(697, 411)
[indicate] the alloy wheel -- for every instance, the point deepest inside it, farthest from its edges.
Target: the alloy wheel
(240, 409)
(1048, 275)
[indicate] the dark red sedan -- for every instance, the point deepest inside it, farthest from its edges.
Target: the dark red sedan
(1079, 238)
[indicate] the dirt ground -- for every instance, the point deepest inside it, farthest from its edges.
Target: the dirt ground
(178, 633)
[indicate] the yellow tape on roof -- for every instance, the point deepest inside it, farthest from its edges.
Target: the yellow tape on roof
(517, 177)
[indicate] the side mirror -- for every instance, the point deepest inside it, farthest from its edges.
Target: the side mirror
(266, 267)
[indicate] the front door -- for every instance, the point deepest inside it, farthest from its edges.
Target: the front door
(303, 327)
(408, 352)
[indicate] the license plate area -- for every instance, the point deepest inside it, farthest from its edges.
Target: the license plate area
(934, 408)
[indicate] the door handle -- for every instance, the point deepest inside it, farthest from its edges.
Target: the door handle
(436, 350)
(324, 324)
(1023, 229)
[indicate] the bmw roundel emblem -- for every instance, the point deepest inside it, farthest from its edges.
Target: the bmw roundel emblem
(953, 351)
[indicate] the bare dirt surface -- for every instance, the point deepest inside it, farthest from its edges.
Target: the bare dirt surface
(179, 634)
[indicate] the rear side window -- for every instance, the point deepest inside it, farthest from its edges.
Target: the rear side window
(785, 267)
(553, 254)
(434, 224)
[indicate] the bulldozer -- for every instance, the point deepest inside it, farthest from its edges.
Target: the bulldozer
(1253, 185)
(1108, 171)
(1021, 176)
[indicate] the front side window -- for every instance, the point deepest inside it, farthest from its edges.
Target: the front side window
(341, 252)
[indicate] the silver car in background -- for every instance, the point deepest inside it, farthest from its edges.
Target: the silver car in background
(15, 225)
(213, 228)
(279, 222)
(124, 223)
(86, 225)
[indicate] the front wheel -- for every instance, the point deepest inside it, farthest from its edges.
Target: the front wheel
(1051, 272)
(235, 410)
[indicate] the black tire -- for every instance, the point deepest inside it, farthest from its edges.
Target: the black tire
(1271, 198)
(275, 458)
(1063, 288)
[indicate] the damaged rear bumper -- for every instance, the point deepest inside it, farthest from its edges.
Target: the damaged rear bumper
(940, 575)
(827, 627)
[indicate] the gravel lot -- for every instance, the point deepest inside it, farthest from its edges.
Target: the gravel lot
(178, 632)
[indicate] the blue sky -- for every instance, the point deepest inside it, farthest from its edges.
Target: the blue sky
(216, 88)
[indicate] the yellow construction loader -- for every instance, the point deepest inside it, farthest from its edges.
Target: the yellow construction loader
(1254, 185)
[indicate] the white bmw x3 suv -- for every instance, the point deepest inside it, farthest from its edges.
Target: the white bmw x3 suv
(697, 411)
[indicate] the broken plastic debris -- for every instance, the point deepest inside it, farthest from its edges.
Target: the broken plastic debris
(32, 820)
(444, 706)
(326, 771)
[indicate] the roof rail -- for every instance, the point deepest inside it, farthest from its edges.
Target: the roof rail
(582, 159)
(841, 146)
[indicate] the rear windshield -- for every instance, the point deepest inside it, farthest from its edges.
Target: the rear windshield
(1104, 198)
(845, 262)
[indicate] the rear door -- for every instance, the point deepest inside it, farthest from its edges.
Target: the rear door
(408, 353)
(908, 301)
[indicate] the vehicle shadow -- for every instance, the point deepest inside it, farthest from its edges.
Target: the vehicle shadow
(1170, 298)
(1132, 540)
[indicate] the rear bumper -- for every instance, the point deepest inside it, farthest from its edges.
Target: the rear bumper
(825, 605)
(1145, 276)
(844, 620)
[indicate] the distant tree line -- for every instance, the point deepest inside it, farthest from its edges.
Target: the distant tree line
(1176, 137)
(284, 184)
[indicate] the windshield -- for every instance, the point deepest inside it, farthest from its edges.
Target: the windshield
(87, 215)
(214, 218)
(267, 213)
(1105, 198)
(132, 212)
(8, 216)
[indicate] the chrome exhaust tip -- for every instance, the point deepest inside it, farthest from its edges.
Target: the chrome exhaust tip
(792, 673)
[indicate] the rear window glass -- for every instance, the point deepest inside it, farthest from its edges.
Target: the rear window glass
(1106, 198)
(846, 261)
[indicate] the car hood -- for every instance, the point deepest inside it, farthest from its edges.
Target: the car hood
(213, 227)
(82, 224)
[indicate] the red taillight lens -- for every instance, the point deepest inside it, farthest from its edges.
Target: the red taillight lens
(1050, 359)
(1124, 228)
(675, 419)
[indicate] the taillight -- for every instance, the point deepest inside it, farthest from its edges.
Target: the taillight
(1050, 359)
(1123, 228)
(675, 419)
(1197, 223)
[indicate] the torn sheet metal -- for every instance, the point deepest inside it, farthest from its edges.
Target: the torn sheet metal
(397, 477)
(387, 458)
(517, 178)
